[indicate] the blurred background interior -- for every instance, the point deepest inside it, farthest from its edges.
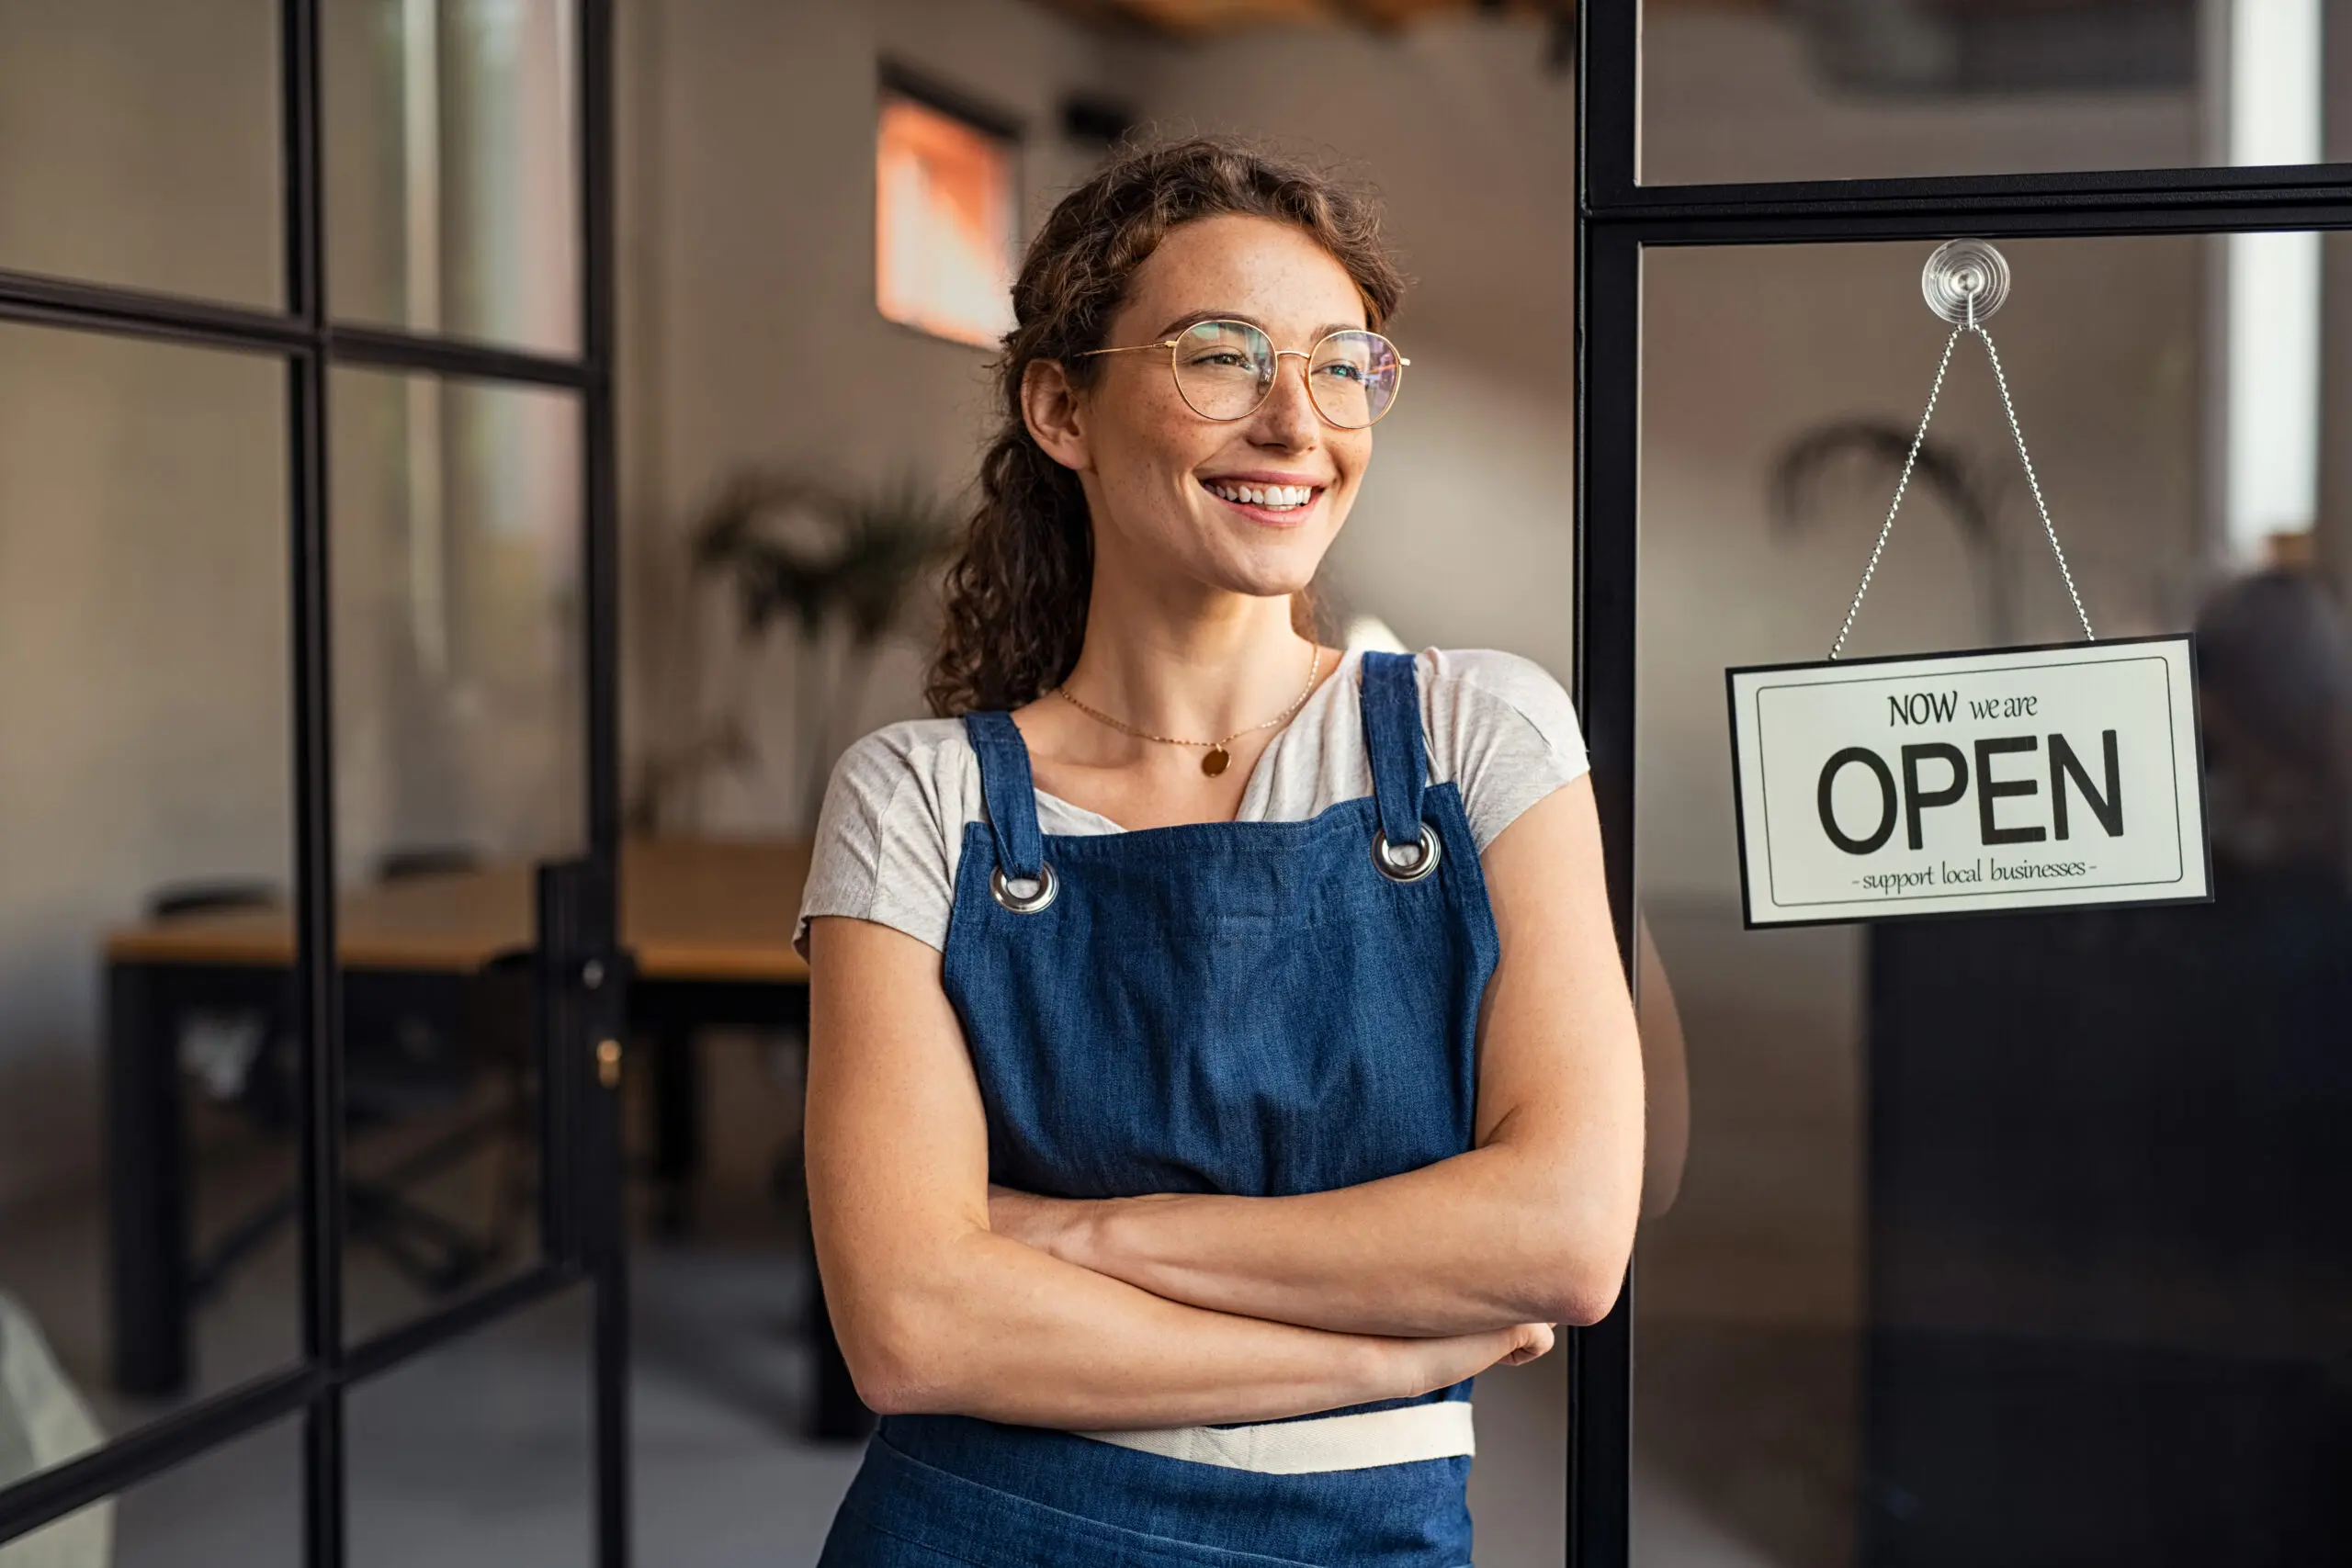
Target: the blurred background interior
(2017, 1240)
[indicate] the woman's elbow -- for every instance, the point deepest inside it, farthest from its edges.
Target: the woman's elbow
(1583, 1295)
(898, 1354)
(1582, 1277)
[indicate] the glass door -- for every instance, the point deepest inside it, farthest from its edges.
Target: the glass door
(2006, 1234)
(2008, 1237)
(310, 982)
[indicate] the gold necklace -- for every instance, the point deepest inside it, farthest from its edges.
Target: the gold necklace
(1215, 762)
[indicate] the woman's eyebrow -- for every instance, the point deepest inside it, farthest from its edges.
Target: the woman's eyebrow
(1195, 317)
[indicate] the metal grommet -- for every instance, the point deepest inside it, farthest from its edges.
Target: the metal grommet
(1025, 904)
(1412, 870)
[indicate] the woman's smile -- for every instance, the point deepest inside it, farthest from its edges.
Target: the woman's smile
(1269, 500)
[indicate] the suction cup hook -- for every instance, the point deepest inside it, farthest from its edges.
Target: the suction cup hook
(1965, 274)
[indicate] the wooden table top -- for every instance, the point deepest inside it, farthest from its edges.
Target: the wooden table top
(691, 909)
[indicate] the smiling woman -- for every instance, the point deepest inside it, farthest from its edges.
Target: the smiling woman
(1209, 1073)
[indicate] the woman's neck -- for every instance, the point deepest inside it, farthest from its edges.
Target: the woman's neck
(1196, 672)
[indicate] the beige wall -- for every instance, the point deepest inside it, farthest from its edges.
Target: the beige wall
(139, 144)
(142, 625)
(749, 327)
(1729, 94)
(143, 690)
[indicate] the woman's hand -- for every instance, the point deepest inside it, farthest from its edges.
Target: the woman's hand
(1433, 1364)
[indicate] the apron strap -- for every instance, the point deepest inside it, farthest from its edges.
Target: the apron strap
(1005, 786)
(1392, 729)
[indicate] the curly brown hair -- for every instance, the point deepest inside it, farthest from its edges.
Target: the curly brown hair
(1016, 592)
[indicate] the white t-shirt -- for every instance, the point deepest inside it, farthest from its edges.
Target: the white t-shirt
(892, 824)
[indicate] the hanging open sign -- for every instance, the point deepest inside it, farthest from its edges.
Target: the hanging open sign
(1952, 784)
(2020, 778)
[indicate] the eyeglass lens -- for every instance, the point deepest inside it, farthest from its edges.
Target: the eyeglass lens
(1225, 369)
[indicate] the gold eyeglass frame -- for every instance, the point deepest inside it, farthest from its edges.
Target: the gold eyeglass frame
(1172, 344)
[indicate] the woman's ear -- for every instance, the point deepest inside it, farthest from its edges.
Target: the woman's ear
(1055, 418)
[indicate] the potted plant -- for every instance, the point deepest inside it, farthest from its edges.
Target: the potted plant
(838, 566)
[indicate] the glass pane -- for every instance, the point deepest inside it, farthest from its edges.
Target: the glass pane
(1855, 89)
(2010, 1238)
(238, 1506)
(453, 168)
(138, 145)
(480, 1451)
(147, 1137)
(1519, 1503)
(458, 768)
(724, 1379)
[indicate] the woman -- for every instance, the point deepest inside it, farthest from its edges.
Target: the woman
(1274, 988)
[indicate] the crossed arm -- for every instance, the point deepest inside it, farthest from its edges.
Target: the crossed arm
(1167, 1310)
(1533, 1223)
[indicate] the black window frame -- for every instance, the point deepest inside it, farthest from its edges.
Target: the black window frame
(1618, 218)
(581, 968)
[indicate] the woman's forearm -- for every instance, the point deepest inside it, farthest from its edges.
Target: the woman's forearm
(988, 1327)
(1465, 1244)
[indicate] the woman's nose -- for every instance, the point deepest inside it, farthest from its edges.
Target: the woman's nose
(1288, 417)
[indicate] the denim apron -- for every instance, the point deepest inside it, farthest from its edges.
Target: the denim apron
(1254, 1007)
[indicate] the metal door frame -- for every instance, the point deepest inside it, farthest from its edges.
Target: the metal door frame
(1617, 218)
(581, 970)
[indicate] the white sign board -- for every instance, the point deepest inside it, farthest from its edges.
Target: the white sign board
(1955, 783)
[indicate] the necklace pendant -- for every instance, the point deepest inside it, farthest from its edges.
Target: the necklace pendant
(1214, 764)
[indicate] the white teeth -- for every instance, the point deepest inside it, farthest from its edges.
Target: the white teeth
(1274, 497)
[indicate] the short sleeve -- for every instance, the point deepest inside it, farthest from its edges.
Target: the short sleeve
(882, 853)
(1502, 730)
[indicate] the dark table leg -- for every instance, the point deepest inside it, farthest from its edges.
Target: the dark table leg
(665, 1014)
(677, 1126)
(148, 1209)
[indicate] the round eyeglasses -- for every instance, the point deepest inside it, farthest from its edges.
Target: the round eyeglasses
(1226, 370)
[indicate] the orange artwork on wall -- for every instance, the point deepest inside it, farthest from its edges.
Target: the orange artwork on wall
(943, 223)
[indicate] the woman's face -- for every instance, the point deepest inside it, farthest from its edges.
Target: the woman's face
(1170, 490)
